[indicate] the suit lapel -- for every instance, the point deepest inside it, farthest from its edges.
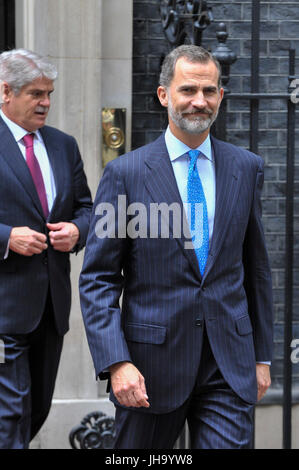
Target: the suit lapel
(10, 152)
(161, 184)
(227, 190)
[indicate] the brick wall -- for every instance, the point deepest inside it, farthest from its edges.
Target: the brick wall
(279, 26)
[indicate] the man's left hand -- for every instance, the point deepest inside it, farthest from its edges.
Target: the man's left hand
(63, 236)
(263, 379)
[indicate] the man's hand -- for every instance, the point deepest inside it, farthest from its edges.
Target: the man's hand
(63, 236)
(263, 379)
(27, 242)
(128, 385)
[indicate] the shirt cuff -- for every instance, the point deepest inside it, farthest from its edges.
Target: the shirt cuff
(7, 251)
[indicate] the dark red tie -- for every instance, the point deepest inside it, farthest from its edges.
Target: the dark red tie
(36, 173)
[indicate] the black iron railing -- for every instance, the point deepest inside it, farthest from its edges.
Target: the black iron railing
(184, 21)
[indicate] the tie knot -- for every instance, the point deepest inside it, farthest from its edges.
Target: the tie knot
(28, 140)
(193, 154)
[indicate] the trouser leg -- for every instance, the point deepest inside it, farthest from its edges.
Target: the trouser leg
(15, 403)
(27, 381)
(44, 357)
(218, 418)
(137, 430)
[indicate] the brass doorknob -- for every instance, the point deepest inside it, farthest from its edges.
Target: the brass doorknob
(114, 137)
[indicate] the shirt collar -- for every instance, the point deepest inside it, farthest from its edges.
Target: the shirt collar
(176, 148)
(17, 131)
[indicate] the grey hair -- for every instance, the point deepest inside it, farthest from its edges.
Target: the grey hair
(192, 54)
(19, 67)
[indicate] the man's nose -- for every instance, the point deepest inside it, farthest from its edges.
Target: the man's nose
(45, 102)
(199, 100)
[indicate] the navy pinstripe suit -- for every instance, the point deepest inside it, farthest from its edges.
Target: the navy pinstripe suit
(166, 303)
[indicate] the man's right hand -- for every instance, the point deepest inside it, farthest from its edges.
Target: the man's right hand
(128, 385)
(27, 242)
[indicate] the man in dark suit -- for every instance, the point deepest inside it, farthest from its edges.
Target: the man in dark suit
(45, 206)
(193, 337)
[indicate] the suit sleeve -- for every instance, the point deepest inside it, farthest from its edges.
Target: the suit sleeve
(82, 200)
(257, 282)
(101, 279)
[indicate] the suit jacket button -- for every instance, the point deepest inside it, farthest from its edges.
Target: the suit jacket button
(198, 322)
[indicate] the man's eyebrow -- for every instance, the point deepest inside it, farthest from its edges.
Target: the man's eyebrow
(205, 88)
(210, 88)
(183, 87)
(40, 90)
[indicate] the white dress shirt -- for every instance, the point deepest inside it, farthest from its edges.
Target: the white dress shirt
(41, 155)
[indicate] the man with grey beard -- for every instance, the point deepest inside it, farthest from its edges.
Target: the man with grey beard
(193, 338)
(45, 207)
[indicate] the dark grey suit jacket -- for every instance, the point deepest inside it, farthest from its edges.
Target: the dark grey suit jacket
(24, 281)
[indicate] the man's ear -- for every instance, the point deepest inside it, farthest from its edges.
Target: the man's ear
(6, 92)
(163, 96)
(221, 93)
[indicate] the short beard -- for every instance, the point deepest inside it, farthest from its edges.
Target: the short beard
(197, 125)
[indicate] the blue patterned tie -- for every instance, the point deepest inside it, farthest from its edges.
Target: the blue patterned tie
(198, 219)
